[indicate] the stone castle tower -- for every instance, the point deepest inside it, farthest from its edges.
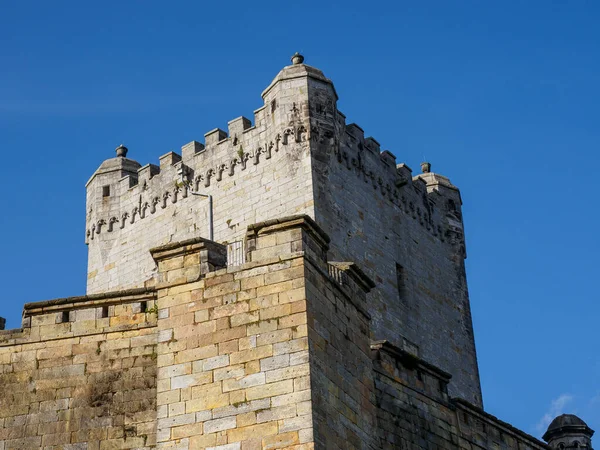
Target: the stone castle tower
(286, 284)
(300, 157)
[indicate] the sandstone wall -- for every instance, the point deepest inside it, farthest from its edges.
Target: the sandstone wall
(233, 362)
(88, 382)
(343, 401)
(210, 357)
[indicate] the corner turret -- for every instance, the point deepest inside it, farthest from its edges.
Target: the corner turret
(298, 97)
(449, 202)
(103, 189)
(568, 431)
(297, 70)
(213, 188)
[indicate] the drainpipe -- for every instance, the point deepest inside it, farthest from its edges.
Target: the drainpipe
(210, 212)
(183, 171)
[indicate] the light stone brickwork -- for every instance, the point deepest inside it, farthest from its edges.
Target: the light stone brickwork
(385, 220)
(233, 363)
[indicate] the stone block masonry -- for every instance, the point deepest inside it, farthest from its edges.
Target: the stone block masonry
(209, 356)
(233, 363)
(254, 173)
(414, 409)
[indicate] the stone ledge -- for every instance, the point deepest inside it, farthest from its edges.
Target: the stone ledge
(464, 405)
(410, 360)
(181, 247)
(187, 261)
(355, 274)
(23, 336)
(104, 298)
(301, 220)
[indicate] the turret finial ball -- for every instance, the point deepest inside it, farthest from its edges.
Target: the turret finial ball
(121, 151)
(297, 58)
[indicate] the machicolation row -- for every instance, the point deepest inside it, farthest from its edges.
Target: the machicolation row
(193, 179)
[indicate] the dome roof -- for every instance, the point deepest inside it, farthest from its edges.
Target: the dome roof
(120, 165)
(567, 423)
(566, 420)
(298, 70)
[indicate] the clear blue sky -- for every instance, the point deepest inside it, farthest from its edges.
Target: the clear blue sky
(502, 97)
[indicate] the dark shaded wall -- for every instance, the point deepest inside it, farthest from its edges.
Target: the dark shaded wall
(405, 233)
(415, 412)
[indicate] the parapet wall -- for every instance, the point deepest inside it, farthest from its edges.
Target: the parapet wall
(415, 411)
(429, 199)
(81, 372)
(208, 357)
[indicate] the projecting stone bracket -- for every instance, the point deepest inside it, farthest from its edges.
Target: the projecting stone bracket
(396, 363)
(353, 273)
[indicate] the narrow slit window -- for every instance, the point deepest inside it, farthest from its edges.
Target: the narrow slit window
(104, 312)
(105, 191)
(401, 282)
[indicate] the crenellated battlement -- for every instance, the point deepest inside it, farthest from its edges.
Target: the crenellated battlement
(199, 166)
(280, 122)
(429, 199)
(225, 155)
